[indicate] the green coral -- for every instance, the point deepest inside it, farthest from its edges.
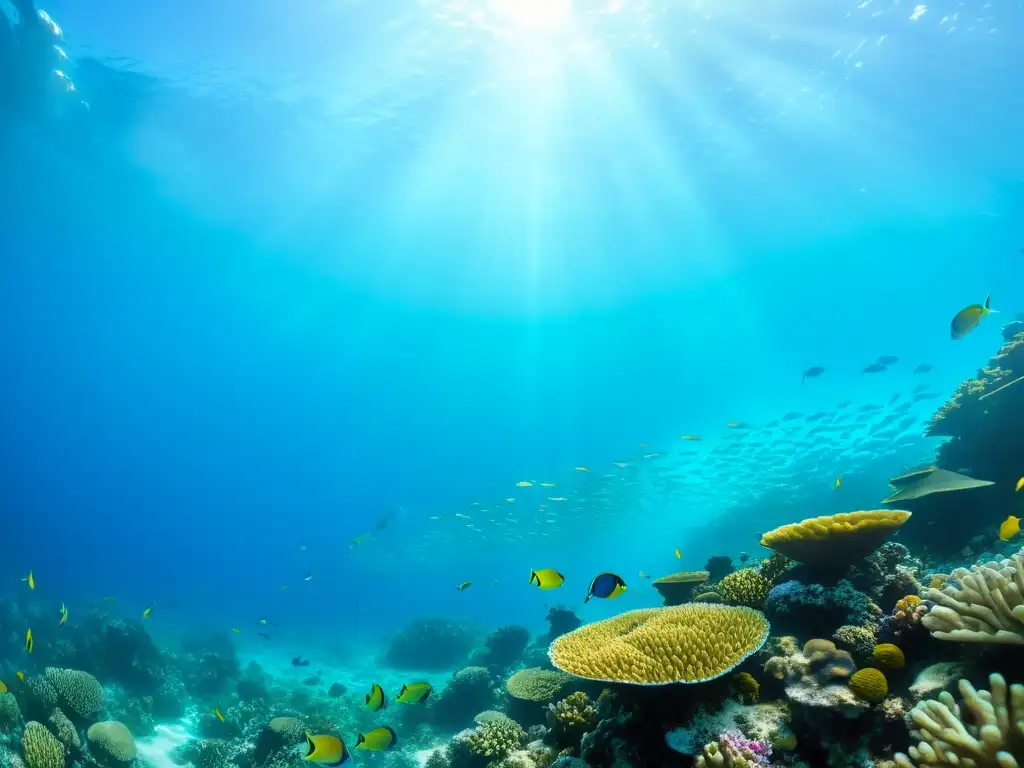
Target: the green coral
(10, 713)
(745, 587)
(111, 743)
(40, 747)
(496, 740)
(79, 692)
(65, 731)
(537, 684)
(570, 719)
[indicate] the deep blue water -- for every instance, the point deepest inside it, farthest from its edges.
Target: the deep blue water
(291, 272)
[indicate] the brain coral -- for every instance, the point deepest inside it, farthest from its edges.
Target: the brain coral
(80, 693)
(889, 656)
(688, 643)
(833, 542)
(111, 743)
(537, 684)
(746, 587)
(40, 747)
(869, 684)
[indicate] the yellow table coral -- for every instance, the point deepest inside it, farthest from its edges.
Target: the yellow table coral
(833, 542)
(688, 643)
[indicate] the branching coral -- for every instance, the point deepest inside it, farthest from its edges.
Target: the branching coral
(569, 719)
(732, 750)
(682, 644)
(496, 739)
(987, 733)
(987, 607)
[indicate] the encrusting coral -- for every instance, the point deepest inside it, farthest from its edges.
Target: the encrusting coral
(745, 587)
(833, 542)
(986, 607)
(987, 733)
(688, 643)
(536, 684)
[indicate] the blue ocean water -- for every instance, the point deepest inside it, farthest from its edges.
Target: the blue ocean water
(298, 269)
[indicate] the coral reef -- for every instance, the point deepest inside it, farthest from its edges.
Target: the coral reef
(560, 621)
(496, 739)
(40, 747)
(681, 644)
(993, 735)
(986, 607)
(111, 744)
(869, 684)
(79, 694)
(469, 691)
(744, 587)
(432, 643)
(814, 609)
(570, 719)
(889, 656)
(503, 649)
(858, 640)
(540, 685)
(678, 588)
(833, 542)
(732, 750)
(718, 567)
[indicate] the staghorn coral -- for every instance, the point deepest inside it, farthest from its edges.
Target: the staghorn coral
(65, 732)
(40, 747)
(570, 719)
(536, 684)
(889, 656)
(79, 693)
(859, 640)
(496, 739)
(745, 587)
(986, 607)
(987, 732)
(833, 542)
(111, 743)
(869, 684)
(677, 588)
(689, 643)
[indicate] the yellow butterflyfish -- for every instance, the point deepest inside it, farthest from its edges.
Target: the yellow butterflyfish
(1009, 528)
(149, 611)
(29, 642)
(30, 580)
(678, 556)
(216, 713)
(839, 481)
(236, 630)
(546, 578)
(63, 614)
(692, 438)
(20, 675)
(1020, 484)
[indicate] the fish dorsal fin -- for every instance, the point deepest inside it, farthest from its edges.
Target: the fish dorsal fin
(402, 692)
(360, 739)
(310, 746)
(988, 301)
(394, 736)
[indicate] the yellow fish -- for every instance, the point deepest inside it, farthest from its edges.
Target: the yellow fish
(236, 630)
(31, 580)
(149, 611)
(678, 556)
(216, 713)
(325, 749)
(967, 319)
(1009, 528)
(377, 740)
(524, 484)
(692, 438)
(29, 642)
(839, 481)
(582, 469)
(414, 693)
(3, 688)
(20, 675)
(375, 699)
(464, 586)
(1020, 484)
(63, 614)
(547, 578)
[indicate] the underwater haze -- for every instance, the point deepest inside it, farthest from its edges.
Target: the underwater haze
(315, 311)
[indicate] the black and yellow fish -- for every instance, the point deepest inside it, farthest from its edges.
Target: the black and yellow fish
(375, 699)
(546, 578)
(414, 693)
(377, 740)
(606, 585)
(217, 713)
(967, 319)
(29, 642)
(20, 675)
(63, 614)
(325, 749)
(149, 611)
(30, 580)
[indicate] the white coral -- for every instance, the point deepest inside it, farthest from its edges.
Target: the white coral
(987, 607)
(993, 739)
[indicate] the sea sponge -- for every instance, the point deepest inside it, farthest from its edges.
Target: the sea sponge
(10, 713)
(746, 587)
(111, 743)
(65, 731)
(832, 542)
(869, 684)
(987, 607)
(910, 602)
(80, 693)
(676, 588)
(40, 747)
(688, 643)
(991, 739)
(496, 739)
(537, 684)
(889, 656)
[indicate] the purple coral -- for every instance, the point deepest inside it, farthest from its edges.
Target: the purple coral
(755, 752)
